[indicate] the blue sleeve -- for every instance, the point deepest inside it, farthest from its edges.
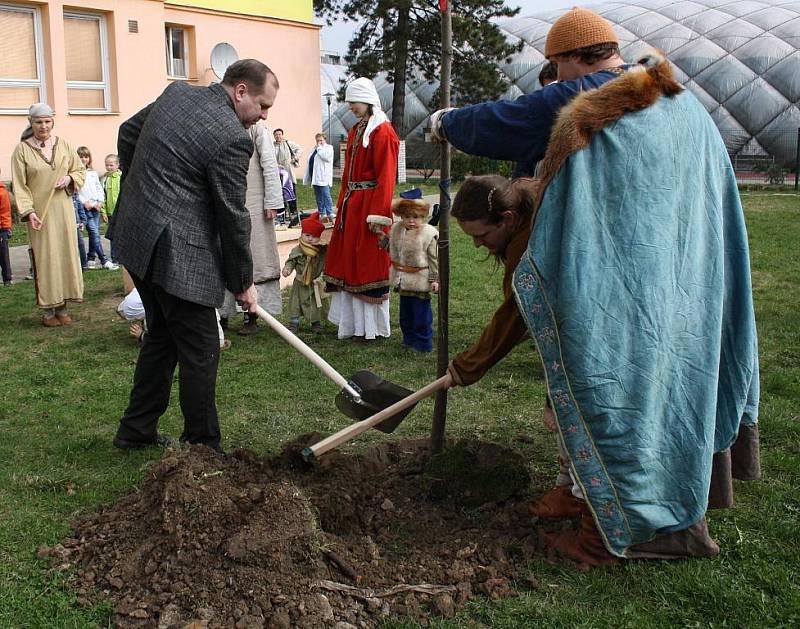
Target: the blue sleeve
(515, 130)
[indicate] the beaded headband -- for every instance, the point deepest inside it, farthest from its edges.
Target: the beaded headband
(489, 198)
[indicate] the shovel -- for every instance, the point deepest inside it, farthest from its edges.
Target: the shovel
(402, 407)
(364, 395)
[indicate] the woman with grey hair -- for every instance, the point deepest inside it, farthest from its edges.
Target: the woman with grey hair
(46, 172)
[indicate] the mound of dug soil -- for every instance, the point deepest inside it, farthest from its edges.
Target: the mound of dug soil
(240, 541)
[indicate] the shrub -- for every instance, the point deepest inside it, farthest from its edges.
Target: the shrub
(463, 165)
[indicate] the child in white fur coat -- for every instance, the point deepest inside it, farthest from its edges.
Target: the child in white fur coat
(415, 271)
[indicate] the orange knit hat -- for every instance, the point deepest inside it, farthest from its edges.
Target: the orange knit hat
(578, 28)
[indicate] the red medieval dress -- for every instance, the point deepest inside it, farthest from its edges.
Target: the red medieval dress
(356, 264)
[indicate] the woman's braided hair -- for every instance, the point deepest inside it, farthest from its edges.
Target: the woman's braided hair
(488, 197)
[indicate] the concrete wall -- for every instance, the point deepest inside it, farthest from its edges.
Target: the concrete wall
(301, 10)
(137, 67)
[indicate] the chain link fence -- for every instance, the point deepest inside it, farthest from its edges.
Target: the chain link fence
(773, 160)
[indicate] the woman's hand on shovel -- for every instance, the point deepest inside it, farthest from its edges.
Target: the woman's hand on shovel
(248, 300)
(450, 378)
(450, 381)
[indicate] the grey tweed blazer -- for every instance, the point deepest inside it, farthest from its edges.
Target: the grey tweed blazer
(181, 219)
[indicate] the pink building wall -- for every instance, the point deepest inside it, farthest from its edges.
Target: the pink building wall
(137, 68)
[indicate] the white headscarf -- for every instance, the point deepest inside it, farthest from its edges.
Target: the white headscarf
(363, 90)
(37, 110)
(40, 110)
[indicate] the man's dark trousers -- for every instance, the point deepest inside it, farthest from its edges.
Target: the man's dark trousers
(183, 333)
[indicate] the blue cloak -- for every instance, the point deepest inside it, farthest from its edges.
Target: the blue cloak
(636, 290)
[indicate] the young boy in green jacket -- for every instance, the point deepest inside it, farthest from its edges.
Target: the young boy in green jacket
(110, 183)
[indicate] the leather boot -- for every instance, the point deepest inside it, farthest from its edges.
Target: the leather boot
(557, 503)
(584, 545)
(251, 327)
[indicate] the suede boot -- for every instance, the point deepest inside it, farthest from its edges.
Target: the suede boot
(584, 545)
(557, 503)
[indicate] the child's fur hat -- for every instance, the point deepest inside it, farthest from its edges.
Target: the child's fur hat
(312, 225)
(411, 207)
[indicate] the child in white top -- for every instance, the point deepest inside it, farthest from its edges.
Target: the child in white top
(91, 196)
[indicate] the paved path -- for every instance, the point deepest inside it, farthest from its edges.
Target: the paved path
(20, 263)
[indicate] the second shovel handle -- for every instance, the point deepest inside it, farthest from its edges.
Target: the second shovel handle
(353, 430)
(306, 351)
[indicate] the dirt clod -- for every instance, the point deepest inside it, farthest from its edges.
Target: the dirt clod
(242, 541)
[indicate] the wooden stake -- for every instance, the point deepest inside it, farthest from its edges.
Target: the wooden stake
(443, 350)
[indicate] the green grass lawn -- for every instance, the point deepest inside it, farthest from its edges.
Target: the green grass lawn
(306, 200)
(64, 389)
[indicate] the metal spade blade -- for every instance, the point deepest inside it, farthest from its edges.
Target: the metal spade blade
(376, 395)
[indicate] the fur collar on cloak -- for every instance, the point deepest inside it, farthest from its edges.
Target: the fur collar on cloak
(589, 112)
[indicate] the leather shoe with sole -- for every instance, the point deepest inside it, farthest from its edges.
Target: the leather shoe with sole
(248, 329)
(161, 441)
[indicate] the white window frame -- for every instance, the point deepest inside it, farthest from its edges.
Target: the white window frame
(39, 48)
(170, 59)
(103, 85)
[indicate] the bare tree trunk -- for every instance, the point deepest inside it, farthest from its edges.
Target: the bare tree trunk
(400, 66)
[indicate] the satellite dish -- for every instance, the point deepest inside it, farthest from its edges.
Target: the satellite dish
(222, 56)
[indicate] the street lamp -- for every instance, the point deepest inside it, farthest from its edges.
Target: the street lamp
(329, 99)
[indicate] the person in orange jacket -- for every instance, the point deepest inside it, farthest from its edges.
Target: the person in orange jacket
(5, 234)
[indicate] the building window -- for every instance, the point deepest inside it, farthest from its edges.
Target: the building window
(21, 71)
(177, 52)
(86, 53)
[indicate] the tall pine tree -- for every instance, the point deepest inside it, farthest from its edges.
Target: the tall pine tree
(402, 35)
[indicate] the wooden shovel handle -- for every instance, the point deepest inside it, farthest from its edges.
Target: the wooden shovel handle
(353, 430)
(306, 351)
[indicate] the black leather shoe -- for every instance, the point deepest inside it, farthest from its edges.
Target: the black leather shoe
(217, 448)
(161, 441)
(248, 329)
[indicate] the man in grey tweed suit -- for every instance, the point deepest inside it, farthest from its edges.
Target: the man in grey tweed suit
(182, 230)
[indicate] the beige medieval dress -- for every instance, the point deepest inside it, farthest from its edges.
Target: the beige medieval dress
(263, 192)
(54, 248)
